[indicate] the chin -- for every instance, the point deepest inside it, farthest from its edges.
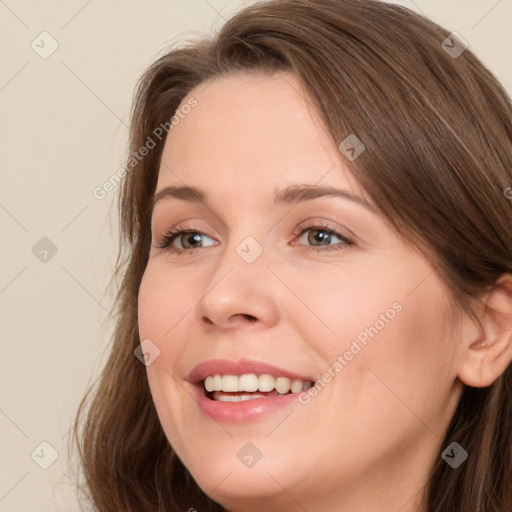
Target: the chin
(226, 480)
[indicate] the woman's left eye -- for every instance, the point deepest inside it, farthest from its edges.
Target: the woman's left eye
(319, 236)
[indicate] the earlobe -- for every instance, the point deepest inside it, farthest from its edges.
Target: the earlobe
(486, 356)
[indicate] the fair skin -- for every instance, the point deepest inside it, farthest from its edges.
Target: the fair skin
(367, 439)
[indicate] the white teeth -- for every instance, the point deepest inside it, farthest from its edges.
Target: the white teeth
(266, 382)
(252, 383)
(283, 385)
(248, 382)
(208, 384)
(297, 385)
(250, 397)
(235, 398)
(230, 383)
(229, 398)
(217, 382)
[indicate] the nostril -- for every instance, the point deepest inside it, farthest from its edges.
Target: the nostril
(248, 317)
(242, 317)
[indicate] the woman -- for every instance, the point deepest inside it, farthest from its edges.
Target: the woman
(316, 302)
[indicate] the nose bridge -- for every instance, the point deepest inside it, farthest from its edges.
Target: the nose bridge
(244, 245)
(242, 265)
(239, 283)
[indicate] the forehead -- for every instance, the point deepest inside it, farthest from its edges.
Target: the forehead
(249, 129)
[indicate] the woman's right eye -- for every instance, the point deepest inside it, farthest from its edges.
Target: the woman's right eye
(187, 238)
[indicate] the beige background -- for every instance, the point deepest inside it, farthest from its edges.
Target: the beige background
(63, 133)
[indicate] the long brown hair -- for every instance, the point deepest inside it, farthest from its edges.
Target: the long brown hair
(437, 130)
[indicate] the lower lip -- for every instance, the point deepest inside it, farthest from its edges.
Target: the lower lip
(243, 411)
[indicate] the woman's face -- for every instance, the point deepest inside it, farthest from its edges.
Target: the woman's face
(276, 277)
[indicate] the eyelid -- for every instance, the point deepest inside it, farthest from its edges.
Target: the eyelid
(162, 226)
(319, 223)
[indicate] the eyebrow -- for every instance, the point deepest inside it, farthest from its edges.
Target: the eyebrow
(290, 195)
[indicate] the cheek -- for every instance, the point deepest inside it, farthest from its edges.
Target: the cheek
(335, 307)
(385, 312)
(382, 324)
(147, 306)
(162, 301)
(157, 310)
(405, 364)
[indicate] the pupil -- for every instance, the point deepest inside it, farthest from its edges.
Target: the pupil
(320, 236)
(191, 239)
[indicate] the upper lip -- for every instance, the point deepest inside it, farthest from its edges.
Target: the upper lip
(240, 367)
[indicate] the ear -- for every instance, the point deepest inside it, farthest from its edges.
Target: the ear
(487, 355)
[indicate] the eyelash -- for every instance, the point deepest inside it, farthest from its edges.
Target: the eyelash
(173, 233)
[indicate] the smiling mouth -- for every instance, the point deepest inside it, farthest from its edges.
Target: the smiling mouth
(232, 388)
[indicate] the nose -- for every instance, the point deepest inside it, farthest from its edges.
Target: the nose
(238, 294)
